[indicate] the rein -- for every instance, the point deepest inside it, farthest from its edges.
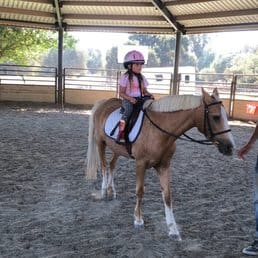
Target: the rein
(188, 138)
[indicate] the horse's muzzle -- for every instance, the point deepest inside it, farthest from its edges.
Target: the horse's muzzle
(225, 148)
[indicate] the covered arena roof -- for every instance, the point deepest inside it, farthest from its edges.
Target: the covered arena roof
(144, 16)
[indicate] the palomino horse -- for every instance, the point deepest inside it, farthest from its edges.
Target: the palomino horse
(165, 120)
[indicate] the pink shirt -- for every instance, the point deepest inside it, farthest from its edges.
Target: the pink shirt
(133, 91)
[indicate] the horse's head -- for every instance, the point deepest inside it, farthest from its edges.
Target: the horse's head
(215, 123)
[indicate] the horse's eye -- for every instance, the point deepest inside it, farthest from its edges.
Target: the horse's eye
(216, 118)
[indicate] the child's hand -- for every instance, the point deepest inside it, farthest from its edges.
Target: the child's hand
(150, 95)
(133, 100)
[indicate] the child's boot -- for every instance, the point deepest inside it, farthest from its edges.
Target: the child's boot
(121, 133)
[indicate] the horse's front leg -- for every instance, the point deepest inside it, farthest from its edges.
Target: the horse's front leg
(140, 173)
(164, 177)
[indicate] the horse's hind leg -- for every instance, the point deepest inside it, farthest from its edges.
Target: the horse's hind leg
(111, 191)
(103, 164)
(165, 187)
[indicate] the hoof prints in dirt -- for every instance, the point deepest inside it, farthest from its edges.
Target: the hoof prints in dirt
(47, 209)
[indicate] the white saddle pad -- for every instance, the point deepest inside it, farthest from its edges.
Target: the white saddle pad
(113, 120)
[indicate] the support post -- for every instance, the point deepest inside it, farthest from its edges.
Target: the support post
(60, 67)
(232, 96)
(176, 62)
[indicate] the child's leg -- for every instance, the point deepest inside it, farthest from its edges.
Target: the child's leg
(128, 109)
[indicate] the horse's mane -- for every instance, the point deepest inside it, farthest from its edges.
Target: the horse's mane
(174, 103)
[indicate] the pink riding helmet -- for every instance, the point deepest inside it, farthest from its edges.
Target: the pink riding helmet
(133, 57)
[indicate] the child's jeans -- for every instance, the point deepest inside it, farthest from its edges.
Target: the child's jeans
(128, 109)
(128, 106)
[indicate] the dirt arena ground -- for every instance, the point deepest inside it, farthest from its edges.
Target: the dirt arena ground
(48, 209)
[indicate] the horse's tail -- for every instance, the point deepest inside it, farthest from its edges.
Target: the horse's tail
(92, 160)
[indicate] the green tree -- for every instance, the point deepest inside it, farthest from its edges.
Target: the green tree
(153, 60)
(163, 47)
(221, 63)
(93, 60)
(111, 59)
(71, 58)
(245, 63)
(197, 46)
(192, 50)
(25, 46)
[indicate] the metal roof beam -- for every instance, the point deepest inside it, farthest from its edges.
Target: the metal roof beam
(25, 12)
(181, 2)
(222, 28)
(57, 5)
(26, 24)
(109, 3)
(218, 14)
(112, 17)
(168, 16)
(120, 29)
(37, 1)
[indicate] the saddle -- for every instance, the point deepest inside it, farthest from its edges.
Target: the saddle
(133, 126)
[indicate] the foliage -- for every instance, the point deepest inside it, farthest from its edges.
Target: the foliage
(93, 60)
(162, 46)
(245, 63)
(71, 58)
(25, 46)
(192, 52)
(153, 60)
(111, 61)
(197, 46)
(222, 62)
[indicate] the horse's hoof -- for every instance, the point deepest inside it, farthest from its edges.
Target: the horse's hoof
(175, 237)
(114, 195)
(111, 194)
(139, 224)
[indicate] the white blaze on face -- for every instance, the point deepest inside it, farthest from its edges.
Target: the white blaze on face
(226, 127)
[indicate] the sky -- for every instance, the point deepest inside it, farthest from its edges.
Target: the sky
(228, 42)
(224, 42)
(100, 40)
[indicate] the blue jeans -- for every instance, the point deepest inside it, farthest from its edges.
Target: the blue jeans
(255, 185)
(128, 106)
(128, 109)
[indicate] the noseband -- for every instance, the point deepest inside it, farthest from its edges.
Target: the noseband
(211, 134)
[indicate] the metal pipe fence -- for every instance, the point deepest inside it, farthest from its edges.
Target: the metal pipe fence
(230, 86)
(23, 75)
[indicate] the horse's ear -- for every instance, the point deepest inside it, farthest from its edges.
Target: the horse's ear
(215, 92)
(205, 94)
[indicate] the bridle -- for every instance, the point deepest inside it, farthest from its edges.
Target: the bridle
(210, 136)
